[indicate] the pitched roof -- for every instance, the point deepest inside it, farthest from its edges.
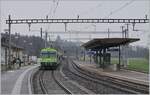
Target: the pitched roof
(99, 43)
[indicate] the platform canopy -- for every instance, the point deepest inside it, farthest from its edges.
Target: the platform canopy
(100, 43)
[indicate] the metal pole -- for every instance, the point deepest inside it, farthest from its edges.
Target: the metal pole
(6, 58)
(65, 27)
(70, 36)
(104, 51)
(122, 31)
(84, 55)
(119, 58)
(77, 52)
(108, 32)
(45, 39)
(41, 32)
(90, 58)
(127, 30)
(69, 31)
(100, 60)
(9, 51)
(96, 57)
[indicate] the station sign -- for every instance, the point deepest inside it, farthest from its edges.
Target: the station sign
(113, 49)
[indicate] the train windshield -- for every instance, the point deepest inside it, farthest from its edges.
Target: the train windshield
(48, 54)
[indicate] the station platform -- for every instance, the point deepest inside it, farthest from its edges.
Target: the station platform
(17, 81)
(133, 76)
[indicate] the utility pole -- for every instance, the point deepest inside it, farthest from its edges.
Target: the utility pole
(9, 51)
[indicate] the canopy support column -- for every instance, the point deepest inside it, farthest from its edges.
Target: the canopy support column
(104, 51)
(100, 60)
(96, 56)
(119, 58)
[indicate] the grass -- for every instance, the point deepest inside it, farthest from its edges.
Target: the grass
(137, 64)
(114, 60)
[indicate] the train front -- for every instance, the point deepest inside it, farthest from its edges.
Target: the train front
(49, 58)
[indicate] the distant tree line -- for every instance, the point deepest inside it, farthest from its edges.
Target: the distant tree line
(134, 52)
(33, 44)
(30, 44)
(69, 48)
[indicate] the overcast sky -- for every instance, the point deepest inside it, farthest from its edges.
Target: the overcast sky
(70, 9)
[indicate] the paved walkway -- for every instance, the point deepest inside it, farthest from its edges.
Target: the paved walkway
(17, 81)
(134, 76)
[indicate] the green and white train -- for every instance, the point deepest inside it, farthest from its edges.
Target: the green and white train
(49, 58)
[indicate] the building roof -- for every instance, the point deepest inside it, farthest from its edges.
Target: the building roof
(99, 43)
(5, 43)
(12, 46)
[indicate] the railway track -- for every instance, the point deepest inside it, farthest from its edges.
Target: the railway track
(129, 86)
(125, 86)
(41, 82)
(61, 85)
(49, 84)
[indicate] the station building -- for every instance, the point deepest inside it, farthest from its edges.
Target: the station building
(16, 51)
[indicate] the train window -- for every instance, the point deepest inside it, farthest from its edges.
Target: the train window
(48, 54)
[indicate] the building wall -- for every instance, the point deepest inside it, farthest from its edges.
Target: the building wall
(17, 53)
(14, 53)
(2, 55)
(21, 55)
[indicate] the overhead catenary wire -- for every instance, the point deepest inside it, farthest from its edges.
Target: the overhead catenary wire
(120, 8)
(91, 10)
(115, 11)
(57, 3)
(52, 11)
